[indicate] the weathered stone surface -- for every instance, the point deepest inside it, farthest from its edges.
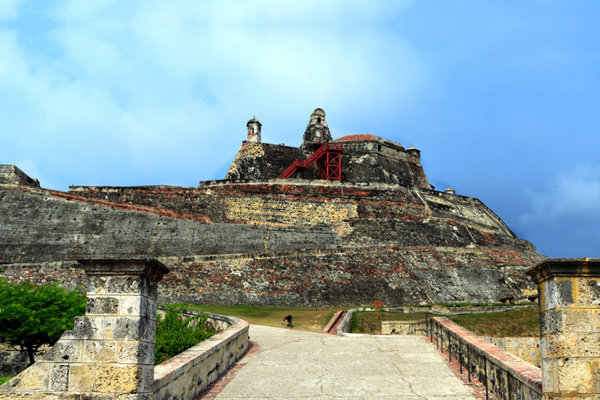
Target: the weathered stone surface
(64, 351)
(119, 378)
(570, 346)
(59, 376)
(100, 351)
(102, 305)
(11, 175)
(106, 355)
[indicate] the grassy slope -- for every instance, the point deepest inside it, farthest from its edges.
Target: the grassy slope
(522, 322)
(308, 319)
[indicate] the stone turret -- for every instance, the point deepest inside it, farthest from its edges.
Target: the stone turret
(413, 155)
(317, 131)
(254, 130)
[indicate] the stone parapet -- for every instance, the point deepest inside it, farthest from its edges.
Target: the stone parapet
(570, 324)
(187, 374)
(505, 375)
(110, 351)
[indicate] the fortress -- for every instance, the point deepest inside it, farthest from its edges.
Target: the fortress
(332, 222)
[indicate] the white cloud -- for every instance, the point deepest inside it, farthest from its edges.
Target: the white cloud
(575, 196)
(141, 81)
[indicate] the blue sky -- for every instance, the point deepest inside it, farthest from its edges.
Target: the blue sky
(501, 97)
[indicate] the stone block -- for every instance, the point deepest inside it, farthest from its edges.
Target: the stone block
(96, 284)
(134, 306)
(146, 386)
(589, 345)
(64, 351)
(102, 305)
(561, 345)
(123, 328)
(69, 396)
(127, 285)
(147, 330)
(151, 309)
(100, 351)
(59, 378)
(557, 293)
(552, 321)
(84, 328)
(588, 291)
(136, 353)
(575, 376)
(578, 320)
(128, 328)
(82, 377)
(35, 396)
(34, 378)
(118, 378)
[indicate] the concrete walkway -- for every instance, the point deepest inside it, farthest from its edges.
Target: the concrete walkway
(293, 364)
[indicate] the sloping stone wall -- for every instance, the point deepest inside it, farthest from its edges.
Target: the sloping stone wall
(11, 175)
(319, 278)
(43, 226)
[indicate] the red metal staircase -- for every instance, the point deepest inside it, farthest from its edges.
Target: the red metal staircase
(328, 158)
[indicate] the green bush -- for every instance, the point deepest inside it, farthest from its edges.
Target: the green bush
(176, 333)
(32, 316)
(5, 379)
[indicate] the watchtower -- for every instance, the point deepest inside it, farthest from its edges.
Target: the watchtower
(254, 130)
(317, 131)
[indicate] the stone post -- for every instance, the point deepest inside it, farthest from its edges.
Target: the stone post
(110, 352)
(569, 304)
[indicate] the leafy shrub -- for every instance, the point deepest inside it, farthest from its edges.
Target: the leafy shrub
(176, 333)
(32, 316)
(5, 379)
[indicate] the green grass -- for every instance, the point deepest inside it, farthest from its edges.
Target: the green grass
(304, 318)
(521, 322)
(5, 379)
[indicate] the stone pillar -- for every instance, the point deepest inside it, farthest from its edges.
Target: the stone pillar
(110, 352)
(569, 304)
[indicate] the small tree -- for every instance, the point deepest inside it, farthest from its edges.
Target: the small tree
(32, 316)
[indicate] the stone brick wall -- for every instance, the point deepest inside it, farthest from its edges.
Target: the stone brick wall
(526, 348)
(44, 226)
(343, 276)
(569, 291)
(260, 161)
(506, 375)
(437, 246)
(11, 175)
(187, 374)
(358, 213)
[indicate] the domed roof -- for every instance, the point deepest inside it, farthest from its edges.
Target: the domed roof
(318, 111)
(253, 121)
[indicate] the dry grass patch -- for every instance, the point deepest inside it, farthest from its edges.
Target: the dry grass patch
(522, 322)
(304, 318)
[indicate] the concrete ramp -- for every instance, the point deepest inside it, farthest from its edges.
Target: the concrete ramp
(291, 364)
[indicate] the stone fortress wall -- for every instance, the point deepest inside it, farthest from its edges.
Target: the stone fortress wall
(381, 233)
(302, 243)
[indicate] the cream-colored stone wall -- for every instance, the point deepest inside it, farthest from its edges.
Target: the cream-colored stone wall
(187, 374)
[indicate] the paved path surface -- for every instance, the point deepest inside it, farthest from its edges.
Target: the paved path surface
(292, 364)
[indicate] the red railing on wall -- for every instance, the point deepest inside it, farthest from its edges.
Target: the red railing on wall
(328, 158)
